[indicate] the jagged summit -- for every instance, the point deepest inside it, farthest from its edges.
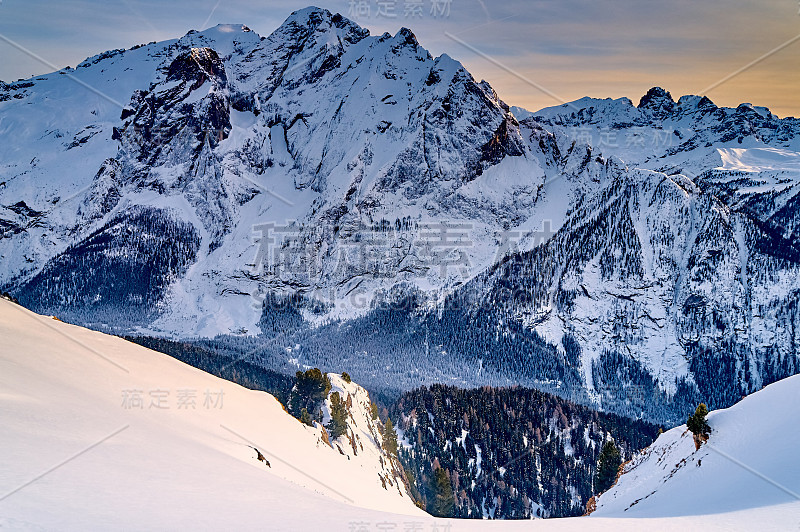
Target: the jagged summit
(311, 16)
(407, 36)
(658, 107)
(656, 95)
(658, 102)
(223, 28)
(696, 102)
(315, 19)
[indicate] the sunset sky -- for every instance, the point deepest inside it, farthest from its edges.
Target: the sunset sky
(571, 48)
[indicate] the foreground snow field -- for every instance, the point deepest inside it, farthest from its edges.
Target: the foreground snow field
(750, 461)
(183, 455)
(79, 453)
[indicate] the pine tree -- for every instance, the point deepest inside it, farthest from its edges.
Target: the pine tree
(443, 497)
(607, 467)
(346, 377)
(698, 425)
(310, 389)
(389, 438)
(338, 422)
(305, 417)
(373, 408)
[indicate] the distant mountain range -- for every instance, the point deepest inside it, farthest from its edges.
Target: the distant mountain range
(326, 197)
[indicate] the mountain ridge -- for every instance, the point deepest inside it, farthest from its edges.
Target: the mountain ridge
(635, 258)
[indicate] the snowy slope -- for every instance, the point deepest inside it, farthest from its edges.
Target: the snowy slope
(362, 443)
(75, 458)
(750, 461)
(64, 389)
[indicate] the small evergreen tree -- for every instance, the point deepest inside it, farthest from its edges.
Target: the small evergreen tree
(310, 389)
(698, 425)
(305, 417)
(338, 423)
(443, 498)
(346, 377)
(389, 438)
(373, 408)
(607, 467)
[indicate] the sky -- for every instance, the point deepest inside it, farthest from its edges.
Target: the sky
(534, 53)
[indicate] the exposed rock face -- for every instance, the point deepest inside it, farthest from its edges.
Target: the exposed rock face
(181, 113)
(658, 103)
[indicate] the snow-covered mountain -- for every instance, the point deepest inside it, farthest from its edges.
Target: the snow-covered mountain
(750, 461)
(642, 258)
(320, 128)
(747, 157)
(680, 267)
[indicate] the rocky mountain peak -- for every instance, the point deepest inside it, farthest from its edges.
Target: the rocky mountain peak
(198, 65)
(658, 102)
(311, 20)
(407, 36)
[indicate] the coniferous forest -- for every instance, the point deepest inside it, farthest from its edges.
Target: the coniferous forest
(508, 453)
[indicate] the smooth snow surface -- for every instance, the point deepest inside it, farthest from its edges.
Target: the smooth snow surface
(750, 461)
(77, 456)
(63, 389)
(759, 159)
